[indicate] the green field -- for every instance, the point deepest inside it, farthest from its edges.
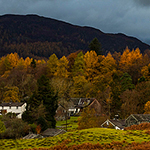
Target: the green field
(93, 135)
(71, 124)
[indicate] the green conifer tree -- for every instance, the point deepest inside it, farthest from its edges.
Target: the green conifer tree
(95, 45)
(44, 94)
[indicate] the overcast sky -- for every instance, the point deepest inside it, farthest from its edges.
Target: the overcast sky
(131, 17)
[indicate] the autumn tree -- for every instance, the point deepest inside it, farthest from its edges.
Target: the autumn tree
(11, 94)
(4, 65)
(88, 119)
(79, 86)
(104, 77)
(91, 65)
(52, 65)
(108, 64)
(130, 103)
(21, 64)
(147, 108)
(79, 65)
(143, 88)
(63, 87)
(9, 62)
(27, 61)
(132, 62)
(71, 59)
(24, 81)
(61, 70)
(145, 71)
(117, 57)
(13, 59)
(38, 129)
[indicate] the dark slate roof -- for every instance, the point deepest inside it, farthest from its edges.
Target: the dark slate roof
(12, 104)
(142, 117)
(75, 101)
(118, 123)
(32, 136)
(52, 132)
(80, 102)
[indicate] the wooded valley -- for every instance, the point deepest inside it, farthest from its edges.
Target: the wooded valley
(120, 82)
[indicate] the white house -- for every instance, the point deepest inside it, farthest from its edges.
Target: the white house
(17, 108)
(114, 123)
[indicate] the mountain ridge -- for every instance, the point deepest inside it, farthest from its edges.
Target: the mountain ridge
(22, 34)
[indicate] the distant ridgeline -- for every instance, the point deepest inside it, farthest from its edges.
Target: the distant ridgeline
(36, 37)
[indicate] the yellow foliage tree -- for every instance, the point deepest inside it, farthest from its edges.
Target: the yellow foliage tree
(11, 94)
(147, 108)
(6, 74)
(41, 61)
(27, 62)
(79, 85)
(62, 68)
(91, 65)
(13, 59)
(132, 63)
(107, 67)
(4, 65)
(128, 59)
(145, 71)
(8, 62)
(21, 63)
(108, 64)
(52, 65)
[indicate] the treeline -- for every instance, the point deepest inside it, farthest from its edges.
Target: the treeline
(35, 49)
(120, 82)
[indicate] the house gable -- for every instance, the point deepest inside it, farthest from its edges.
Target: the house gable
(79, 103)
(96, 106)
(135, 119)
(116, 124)
(17, 108)
(60, 113)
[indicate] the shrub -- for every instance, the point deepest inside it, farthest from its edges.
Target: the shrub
(16, 128)
(38, 129)
(42, 122)
(142, 126)
(88, 119)
(2, 127)
(33, 127)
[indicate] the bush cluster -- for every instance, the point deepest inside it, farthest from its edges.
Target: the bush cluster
(88, 146)
(142, 126)
(15, 128)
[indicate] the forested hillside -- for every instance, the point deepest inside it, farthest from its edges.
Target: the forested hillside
(36, 37)
(120, 82)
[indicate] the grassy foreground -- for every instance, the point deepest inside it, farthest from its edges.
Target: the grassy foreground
(93, 135)
(71, 124)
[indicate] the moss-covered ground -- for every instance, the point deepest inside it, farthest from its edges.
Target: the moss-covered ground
(93, 135)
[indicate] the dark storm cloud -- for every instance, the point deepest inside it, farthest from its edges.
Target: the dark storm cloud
(143, 2)
(129, 17)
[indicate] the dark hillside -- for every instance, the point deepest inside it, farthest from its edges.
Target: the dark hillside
(35, 36)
